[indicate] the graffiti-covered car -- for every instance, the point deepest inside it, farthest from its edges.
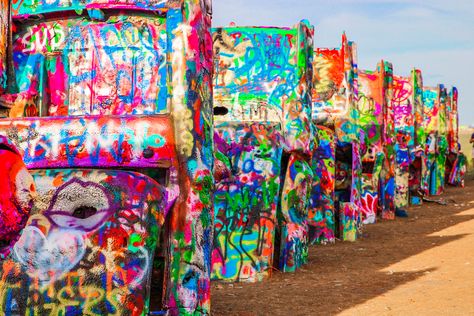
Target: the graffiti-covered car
(262, 111)
(110, 111)
(403, 106)
(322, 222)
(334, 99)
(434, 100)
(417, 155)
(456, 161)
(376, 117)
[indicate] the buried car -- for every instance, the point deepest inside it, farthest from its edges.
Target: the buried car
(110, 110)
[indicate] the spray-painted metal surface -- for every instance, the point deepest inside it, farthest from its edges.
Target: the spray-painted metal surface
(293, 218)
(437, 146)
(417, 154)
(63, 65)
(95, 257)
(321, 218)
(456, 162)
(334, 105)
(334, 90)
(377, 120)
(458, 170)
(248, 167)
(430, 116)
(268, 97)
(66, 142)
(442, 152)
(349, 197)
(436, 142)
(373, 109)
(403, 105)
(261, 87)
(4, 27)
(452, 117)
(95, 76)
(31, 7)
(387, 187)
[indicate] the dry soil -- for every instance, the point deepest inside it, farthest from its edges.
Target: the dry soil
(419, 265)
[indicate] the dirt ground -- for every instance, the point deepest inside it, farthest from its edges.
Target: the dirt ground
(418, 265)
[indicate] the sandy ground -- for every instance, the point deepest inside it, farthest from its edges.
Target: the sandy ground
(416, 266)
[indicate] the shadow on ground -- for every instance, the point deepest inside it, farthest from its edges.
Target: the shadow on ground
(343, 275)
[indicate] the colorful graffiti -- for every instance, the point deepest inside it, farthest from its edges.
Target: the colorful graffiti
(435, 101)
(431, 112)
(93, 141)
(4, 26)
(335, 88)
(261, 77)
(293, 215)
(417, 154)
(442, 143)
(248, 167)
(22, 8)
(84, 82)
(321, 216)
(457, 170)
(371, 106)
(334, 106)
(350, 209)
(452, 128)
(388, 186)
(376, 119)
(66, 67)
(88, 245)
(251, 89)
(142, 153)
(456, 161)
(403, 105)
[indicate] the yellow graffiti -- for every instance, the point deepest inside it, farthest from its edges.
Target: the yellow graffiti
(182, 114)
(323, 85)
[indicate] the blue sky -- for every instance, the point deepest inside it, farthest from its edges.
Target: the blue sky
(436, 36)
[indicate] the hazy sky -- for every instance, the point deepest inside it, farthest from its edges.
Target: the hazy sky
(436, 36)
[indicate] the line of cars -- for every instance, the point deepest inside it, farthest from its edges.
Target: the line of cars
(144, 153)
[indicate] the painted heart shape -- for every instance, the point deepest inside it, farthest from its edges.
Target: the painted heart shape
(47, 258)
